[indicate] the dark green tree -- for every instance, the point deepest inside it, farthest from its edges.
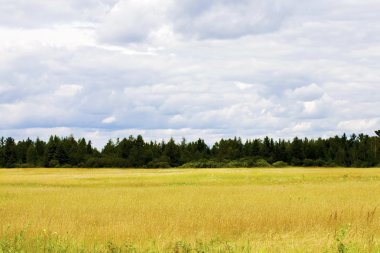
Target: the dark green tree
(10, 153)
(171, 151)
(32, 155)
(297, 152)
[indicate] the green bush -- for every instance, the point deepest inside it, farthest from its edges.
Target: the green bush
(204, 164)
(107, 162)
(237, 164)
(280, 164)
(262, 163)
(25, 166)
(158, 165)
(330, 164)
(309, 163)
(53, 163)
(320, 163)
(296, 162)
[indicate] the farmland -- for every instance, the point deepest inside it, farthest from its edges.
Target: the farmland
(175, 210)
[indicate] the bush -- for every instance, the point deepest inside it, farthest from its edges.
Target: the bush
(237, 164)
(330, 164)
(204, 164)
(296, 162)
(158, 165)
(107, 162)
(249, 162)
(53, 164)
(25, 166)
(320, 163)
(308, 163)
(262, 163)
(280, 164)
(361, 164)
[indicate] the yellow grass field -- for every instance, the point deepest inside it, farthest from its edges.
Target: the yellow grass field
(190, 210)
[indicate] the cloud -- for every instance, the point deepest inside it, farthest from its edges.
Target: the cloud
(40, 13)
(306, 93)
(162, 68)
(68, 90)
(303, 126)
(109, 120)
(133, 21)
(228, 19)
(358, 125)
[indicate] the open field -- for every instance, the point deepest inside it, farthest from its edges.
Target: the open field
(247, 210)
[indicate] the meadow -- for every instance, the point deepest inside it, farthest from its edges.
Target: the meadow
(190, 210)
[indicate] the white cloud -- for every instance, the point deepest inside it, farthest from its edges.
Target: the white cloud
(68, 90)
(41, 13)
(207, 68)
(133, 20)
(69, 36)
(109, 120)
(230, 19)
(303, 126)
(306, 93)
(358, 125)
(243, 86)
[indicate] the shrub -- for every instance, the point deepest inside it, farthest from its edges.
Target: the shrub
(308, 163)
(53, 163)
(319, 163)
(237, 164)
(361, 164)
(262, 163)
(280, 164)
(25, 165)
(249, 161)
(158, 165)
(203, 164)
(296, 162)
(330, 164)
(107, 162)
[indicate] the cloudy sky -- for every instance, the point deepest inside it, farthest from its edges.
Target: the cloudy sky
(189, 68)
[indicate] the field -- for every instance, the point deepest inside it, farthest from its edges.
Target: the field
(188, 210)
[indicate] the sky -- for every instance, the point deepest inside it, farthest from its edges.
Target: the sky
(212, 69)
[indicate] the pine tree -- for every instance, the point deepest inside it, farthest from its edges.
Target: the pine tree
(10, 153)
(32, 155)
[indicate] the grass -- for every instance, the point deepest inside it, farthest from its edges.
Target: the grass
(189, 210)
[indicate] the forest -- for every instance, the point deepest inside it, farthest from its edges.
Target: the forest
(358, 151)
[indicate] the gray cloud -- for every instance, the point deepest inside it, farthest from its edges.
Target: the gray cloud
(40, 13)
(132, 21)
(191, 70)
(229, 19)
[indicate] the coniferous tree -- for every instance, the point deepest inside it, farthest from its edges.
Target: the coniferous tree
(2, 152)
(297, 152)
(10, 153)
(171, 151)
(377, 147)
(356, 151)
(32, 155)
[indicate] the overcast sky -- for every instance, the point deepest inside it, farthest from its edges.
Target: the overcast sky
(103, 69)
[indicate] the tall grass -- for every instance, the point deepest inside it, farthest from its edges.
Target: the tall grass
(187, 210)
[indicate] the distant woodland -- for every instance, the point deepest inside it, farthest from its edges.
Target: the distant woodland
(133, 152)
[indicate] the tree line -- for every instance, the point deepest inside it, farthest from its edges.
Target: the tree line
(133, 152)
